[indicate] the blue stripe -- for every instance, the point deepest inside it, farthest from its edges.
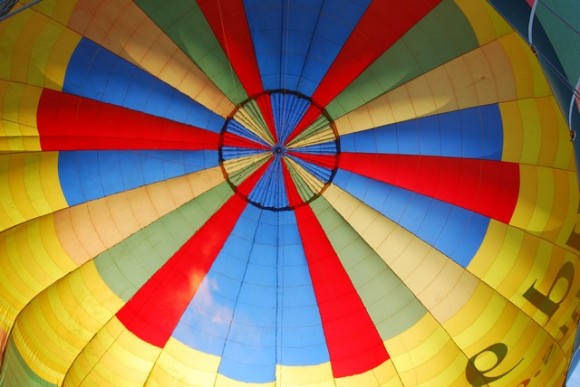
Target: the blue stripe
(456, 232)
(321, 173)
(90, 175)
(96, 73)
(473, 133)
(259, 283)
(270, 190)
(288, 110)
(333, 28)
(229, 152)
(299, 60)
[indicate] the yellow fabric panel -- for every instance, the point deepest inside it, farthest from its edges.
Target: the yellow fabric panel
(31, 259)
(180, 365)
(485, 21)
(442, 286)
(482, 76)
(114, 357)
(30, 187)
(535, 133)
(421, 355)
(379, 376)
(529, 77)
(307, 376)
(511, 260)
(224, 381)
(125, 30)
(56, 325)
(39, 49)
(541, 209)
(89, 229)
(247, 116)
(59, 10)
(488, 319)
(18, 103)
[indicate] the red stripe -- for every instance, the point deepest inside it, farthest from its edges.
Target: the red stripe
(228, 22)
(383, 23)
(294, 198)
(353, 341)
(69, 122)
(324, 161)
(488, 187)
(154, 311)
(234, 140)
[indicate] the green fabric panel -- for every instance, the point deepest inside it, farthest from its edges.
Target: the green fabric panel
(442, 35)
(15, 371)
(391, 305)
(128, 265)
(185, 24)
(558, 17)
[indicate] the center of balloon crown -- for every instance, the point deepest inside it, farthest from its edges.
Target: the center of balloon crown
(279, 150)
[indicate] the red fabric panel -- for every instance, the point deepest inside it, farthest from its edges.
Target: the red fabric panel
(382, 24)
(353, 341)
(294, 198)
(325, 161)
(488, 187)
(154, 311)
(69, 122)
(228, 22)
(234, 140)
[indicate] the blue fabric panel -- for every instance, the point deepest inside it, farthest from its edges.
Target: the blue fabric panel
(90, 175)
(270, 190)
(260, 283)
(300, 333)
(229, 152)
(333, 27)
(288, 110)
(328, 148)
(456, 232)
(321, 173)
(282, 38)
(96, 73)
(473, 133)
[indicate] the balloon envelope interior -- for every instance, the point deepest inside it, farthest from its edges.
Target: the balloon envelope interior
(273, 192)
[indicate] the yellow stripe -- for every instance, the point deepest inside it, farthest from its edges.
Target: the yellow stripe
(18, 117)
(543, 210)
(527, 73)
(535, 133)
(247, 116)
(114, 357)
(56, 9)
(180, 365)
(426, 354)
(382, 374)
(317, 375)
(484, 20)
(40, 49)
(441, 285)
(490, 319)
(89, 229)
(31, 259)
(224, 381)
(32, 187)
(56, 325)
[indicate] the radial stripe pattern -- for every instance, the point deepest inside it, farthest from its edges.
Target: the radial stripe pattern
(288, 193)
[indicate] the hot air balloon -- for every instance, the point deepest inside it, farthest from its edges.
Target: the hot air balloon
(288, 192)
